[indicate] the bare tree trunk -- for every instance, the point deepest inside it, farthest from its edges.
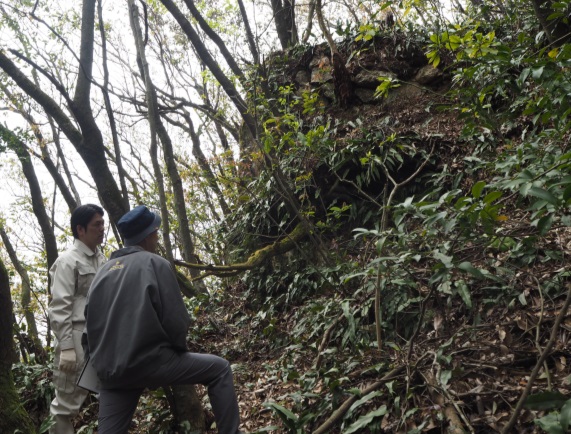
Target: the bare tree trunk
(13, 417)
(341, 78)
(72, 204)
(25, 298)
(310, 14)
(141, 60)
(45, 156)
(556, 30)
(284, 19)
(109, 109)
(203, 162)
(249, 35)
(39, 209)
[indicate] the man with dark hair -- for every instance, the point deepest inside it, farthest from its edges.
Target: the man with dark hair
(136, 327)
(71, 276)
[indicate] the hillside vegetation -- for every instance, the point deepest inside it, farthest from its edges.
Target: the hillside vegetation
(417, 278)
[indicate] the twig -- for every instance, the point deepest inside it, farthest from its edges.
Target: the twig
(537, 329)
(338, 414)
(509, 426)
(450, 412)
(325, 340)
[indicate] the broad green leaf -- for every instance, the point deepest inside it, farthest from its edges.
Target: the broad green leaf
(537, 72)
(364, 399)
(566, 415)
(364, 421)
(494, 195)
(445, 377)
(567, 193)
(464, 293)
(469, 268)
(446, 260)
(550, 424)
(285, 414)
(543, 194)
(544, 224)
(477, 189)
(545, 401)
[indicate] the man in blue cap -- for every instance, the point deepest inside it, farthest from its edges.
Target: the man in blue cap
(136, 332)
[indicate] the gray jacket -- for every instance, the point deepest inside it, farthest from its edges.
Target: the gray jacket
(136, 319)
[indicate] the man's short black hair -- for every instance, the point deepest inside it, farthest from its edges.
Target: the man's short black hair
(82, 215)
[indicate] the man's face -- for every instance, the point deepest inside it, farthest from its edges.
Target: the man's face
(93, 234)
(153, 242)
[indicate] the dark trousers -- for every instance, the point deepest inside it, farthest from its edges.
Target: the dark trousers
(117, 406)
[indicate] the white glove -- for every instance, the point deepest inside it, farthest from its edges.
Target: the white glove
(67, 360)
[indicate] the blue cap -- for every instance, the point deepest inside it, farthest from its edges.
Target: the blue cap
(137, 224)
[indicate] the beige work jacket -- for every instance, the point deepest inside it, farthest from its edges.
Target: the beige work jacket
(71, 276)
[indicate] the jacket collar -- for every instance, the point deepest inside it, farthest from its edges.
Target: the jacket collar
(79, 245)
(126, 251)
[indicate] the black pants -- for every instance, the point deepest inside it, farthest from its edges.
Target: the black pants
(117, 406)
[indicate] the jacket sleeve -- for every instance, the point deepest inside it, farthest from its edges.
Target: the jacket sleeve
(174, 316)
(61, 306)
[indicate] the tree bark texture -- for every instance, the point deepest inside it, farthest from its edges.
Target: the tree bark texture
(556, 30)
(45, 156)
(284, 19)
(21, 150)
(13, 417)
(341, 77)
(25, 298)
(109, 108)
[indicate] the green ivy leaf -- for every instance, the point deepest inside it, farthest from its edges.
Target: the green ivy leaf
(445, 377)
(363, 400)
(550, 424)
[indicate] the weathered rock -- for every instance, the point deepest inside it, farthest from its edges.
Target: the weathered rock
(321, 70)
(405, 92)
(327, 90)
(302, 77)
(366, 95)
(370, 79)
(428, 75)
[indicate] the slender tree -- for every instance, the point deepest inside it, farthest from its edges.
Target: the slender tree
(13, 417)
(21, 150)
(25, 298)
(284, 20)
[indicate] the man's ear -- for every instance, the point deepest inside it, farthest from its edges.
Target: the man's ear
(80, 230)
